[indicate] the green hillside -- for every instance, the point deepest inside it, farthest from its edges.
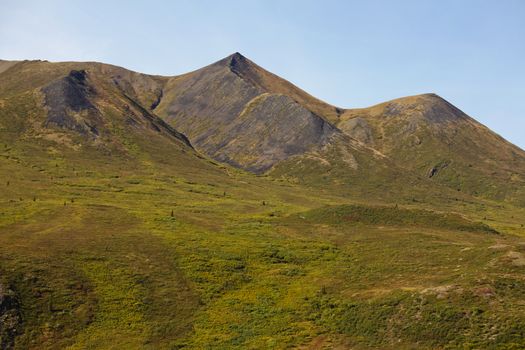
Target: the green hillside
(119, 229)
(428, 135)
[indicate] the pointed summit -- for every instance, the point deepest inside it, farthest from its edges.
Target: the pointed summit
(267, 82)
(238, 62)
(236, 56)
(235, 99)
(236, 59)
(241, 66)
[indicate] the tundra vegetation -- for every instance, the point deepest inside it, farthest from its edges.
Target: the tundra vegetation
(116, 233)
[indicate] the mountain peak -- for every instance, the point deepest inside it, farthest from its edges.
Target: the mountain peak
(428, 106)
(431, 97)
(236, 62)
(262, 81)
(233, 60)
(236, 55)
(430, 94)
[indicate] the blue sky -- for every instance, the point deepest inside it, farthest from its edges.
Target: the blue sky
(348, 53)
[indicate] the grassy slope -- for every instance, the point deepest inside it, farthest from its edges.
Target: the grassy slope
(424, 132)
(90, 246)
(113, 268)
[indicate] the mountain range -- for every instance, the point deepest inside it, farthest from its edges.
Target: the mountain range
(237, 113)
(228, 208)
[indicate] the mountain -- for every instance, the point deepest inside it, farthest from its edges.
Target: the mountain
(238, 113)
(235, 112)
(435, 139)
(222, 106)
(228, 209)
(89, 110)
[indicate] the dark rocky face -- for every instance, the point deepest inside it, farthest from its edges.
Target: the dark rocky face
(10, 319)
(70, 96)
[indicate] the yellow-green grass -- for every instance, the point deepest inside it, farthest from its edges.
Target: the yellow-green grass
(136, 241)
(97, 259)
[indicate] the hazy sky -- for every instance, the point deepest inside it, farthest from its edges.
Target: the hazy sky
(348, 53)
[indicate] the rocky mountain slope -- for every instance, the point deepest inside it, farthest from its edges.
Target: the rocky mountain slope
(238, 113)
(88, 99)
(435, 139)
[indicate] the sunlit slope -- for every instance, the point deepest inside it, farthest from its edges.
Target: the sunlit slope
(115, 232)
(435, 139)
(238, 113)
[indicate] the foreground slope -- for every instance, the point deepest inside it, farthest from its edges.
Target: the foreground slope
(161, 257)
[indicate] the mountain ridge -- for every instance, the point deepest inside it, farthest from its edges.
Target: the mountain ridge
(208, 211)
(431, 136)
(235, 112)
